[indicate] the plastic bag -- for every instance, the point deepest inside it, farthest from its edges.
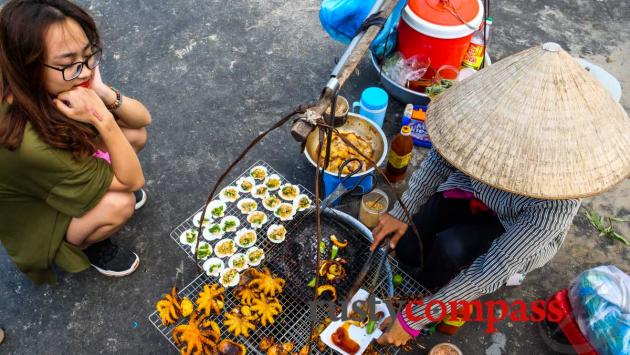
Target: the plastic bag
(600, 299)
(342, 20)
(403, 70)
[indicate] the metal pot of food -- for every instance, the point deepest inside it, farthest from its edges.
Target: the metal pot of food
(362, 133)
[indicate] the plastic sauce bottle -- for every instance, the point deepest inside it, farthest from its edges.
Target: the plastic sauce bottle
(451, 326)
(474, 54)
(399, 155)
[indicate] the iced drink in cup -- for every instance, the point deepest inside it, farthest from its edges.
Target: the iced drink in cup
(373, 206)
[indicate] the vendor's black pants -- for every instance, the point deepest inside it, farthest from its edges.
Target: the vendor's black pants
(452, 238)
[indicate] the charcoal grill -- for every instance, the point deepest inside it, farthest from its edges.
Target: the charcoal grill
(294, 261)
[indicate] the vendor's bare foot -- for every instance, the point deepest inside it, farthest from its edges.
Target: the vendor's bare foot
(1, 335)
(111, 260)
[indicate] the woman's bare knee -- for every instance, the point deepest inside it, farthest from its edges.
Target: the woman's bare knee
(122, 205)
(112, 211)
(137, 137)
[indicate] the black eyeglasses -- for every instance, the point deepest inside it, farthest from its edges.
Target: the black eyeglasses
(72, 71)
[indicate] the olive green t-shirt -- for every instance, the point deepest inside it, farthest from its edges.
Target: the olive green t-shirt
(41, 189)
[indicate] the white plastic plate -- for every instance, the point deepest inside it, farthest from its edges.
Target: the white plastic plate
(356, 333)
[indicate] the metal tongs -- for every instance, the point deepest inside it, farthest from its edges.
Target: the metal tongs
(366, 267)
(414, 342)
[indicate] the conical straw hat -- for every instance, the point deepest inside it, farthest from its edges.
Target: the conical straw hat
(535, 124)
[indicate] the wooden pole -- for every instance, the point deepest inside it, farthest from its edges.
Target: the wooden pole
(301, 129)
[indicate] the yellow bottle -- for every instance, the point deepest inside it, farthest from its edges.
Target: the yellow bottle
(474, 55)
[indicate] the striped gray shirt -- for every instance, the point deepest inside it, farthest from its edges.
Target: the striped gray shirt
(534, 231)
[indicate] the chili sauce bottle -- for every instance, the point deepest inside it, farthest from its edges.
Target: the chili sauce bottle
(399, 155)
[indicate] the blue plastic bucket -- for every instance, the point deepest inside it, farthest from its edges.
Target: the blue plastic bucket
(331, 182)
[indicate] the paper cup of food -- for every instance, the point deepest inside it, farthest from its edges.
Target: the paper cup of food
(351, 336)
(445, 349)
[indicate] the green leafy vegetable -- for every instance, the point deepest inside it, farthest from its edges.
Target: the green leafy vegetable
(311, 283)
(322, 248)
(604, 225)
(333, 252)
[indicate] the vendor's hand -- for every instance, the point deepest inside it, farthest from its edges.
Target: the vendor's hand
(395, 334)
(81, 104)
(388, 224)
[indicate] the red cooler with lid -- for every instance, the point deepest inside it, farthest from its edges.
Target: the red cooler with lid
(439, 29)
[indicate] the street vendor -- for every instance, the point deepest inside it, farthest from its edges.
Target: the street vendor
(69, 170)
(516, 147)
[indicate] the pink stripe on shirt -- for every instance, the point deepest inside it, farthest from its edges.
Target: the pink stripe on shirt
(458, 194)
(102, 155)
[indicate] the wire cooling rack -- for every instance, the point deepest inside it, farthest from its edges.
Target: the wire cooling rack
(232, 210)
(293, 260)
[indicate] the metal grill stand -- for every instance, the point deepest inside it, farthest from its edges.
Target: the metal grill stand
(294, 260)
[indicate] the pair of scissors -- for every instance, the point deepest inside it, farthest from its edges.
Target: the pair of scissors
(341, 189)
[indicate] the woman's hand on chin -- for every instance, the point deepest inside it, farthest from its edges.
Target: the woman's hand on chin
(102, 90)
(83, 105)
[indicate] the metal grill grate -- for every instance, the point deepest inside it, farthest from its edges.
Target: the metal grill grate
(294, 261)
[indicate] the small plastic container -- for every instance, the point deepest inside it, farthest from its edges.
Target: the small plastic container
(373, 105)
(415, 118)
(373, 206)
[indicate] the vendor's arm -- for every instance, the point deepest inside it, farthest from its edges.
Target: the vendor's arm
(424, 182)
(521, 246)
(132, 113)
